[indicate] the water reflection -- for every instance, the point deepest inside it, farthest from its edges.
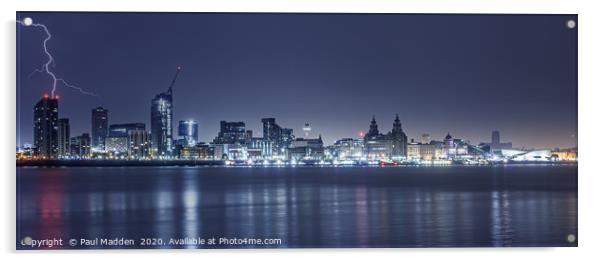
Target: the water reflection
(305, 207)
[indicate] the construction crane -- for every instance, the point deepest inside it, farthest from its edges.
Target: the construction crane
(174, 79)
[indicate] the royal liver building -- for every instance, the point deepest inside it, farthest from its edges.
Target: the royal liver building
(392, 145)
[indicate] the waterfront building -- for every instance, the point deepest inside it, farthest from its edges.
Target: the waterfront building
(544, 155)
(392, 145)
(117, 145)
(259, 148)
(231, 133)
(399, 140)
(161, 124)
(230, 152)
(434, 150)
(454, 148)
(123, 130)
(414, 150)
(188, 130)
(565, 154)
(81, 146)
(100, 123)
(45, 124)
(199, 151)
(306, 149)
(347, 149)
(139, 142)
(281, 137)
(64, 138)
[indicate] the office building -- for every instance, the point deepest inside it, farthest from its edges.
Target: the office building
(100, 124)
(81, 146)
(64, 138)
(231, 133)
(45, 123)
(161, 124)
(188, 130)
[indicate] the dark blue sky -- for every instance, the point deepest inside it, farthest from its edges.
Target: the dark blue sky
(463, 74)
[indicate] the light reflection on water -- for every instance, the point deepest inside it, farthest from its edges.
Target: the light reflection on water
(305, 207)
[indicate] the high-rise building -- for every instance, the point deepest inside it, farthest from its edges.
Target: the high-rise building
(281, 137)
(64, 137)
(100, 124)
(161, 124)
(188, 130)
(231, 133)
(45, 124)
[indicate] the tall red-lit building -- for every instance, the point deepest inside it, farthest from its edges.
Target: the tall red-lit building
(45, 123)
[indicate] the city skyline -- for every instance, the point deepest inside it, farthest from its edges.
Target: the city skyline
(343, 112)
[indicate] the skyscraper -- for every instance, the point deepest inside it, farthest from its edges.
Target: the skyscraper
(188, 130)
(100, 124)
(495, 139)
(45, 122)
(161, 121)
(161, 124)
(64, 148)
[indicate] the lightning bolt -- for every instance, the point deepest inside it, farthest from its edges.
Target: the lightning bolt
(46, 66)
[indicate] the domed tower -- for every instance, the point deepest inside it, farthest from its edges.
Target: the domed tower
(449, 141)
(373, 128)
(400, 140)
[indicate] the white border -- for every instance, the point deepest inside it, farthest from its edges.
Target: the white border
(589, 26)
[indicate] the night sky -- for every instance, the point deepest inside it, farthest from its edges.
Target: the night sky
(463, 74)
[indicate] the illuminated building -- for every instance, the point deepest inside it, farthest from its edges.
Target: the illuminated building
(161, 124)
(117, 145)
(230, 152)
(306, 129)
(64, 138)
(257, 148)
(425, 139)
(188, 130)
(122, 130)
(565, 154)
(281, 137)
(527, 156)
(100, 123)
(392, 145)
(45, 124)
(81, 145)
(347, 149)
(414, 150)
(231, 133)
(454, 147)
(139, 144)
(119, 141)
(306, 148)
